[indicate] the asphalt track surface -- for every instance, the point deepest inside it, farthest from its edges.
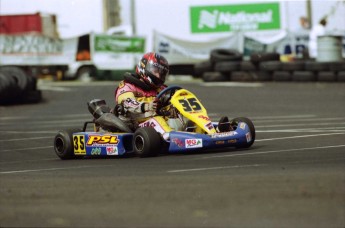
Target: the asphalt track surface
(293, 175)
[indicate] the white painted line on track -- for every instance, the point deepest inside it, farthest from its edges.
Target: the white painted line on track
(233, 84)
(28, 132)
(50, 122)
(45, 117)
(215, 168)
(283, 117)
(30, 148)
(244, 166)
(299, 131)
(299, 136)
(274, 151)
(51, 169)
(304, 130)
(26, 161)
(302, 124)
(24, 139)
(319, 120)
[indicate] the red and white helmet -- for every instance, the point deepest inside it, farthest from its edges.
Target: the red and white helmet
(153, 69)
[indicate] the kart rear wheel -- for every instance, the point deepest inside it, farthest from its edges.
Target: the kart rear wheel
(63, 144)
(251, 128)
(146, 142)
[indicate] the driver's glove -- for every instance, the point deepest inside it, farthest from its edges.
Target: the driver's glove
(149, 108)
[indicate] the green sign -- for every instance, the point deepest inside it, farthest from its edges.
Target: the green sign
(227, 18)
(108, 43)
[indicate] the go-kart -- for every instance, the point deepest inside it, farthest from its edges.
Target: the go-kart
(181, 125)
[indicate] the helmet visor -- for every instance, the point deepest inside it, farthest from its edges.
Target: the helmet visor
(158, 70)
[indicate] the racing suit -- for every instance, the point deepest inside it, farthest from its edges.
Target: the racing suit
(135, 100)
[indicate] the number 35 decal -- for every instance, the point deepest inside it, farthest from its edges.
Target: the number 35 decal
(79, 144)
(190, 104)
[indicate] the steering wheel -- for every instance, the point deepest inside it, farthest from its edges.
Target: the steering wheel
(166, 94)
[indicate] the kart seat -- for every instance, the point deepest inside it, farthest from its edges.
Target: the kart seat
(103, 116)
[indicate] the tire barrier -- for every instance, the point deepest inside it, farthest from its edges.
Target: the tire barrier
(228, 65)
(17, 87)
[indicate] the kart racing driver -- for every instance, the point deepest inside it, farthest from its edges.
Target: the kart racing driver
(136, 94)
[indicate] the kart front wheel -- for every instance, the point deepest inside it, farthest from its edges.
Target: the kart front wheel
(146, 142)
(250, 124)
(63, 144)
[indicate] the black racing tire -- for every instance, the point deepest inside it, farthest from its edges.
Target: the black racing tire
(34, 96)
(270, 65)
(303, 76)
(146, 142)
(341, 76)
(316, 66)
(282, 76)
(263, 76)
(215, 77)
(221, 55)
(243, 76)
(20, 77)
(250, 124)
(32, 83)
(9, 91)
(256, 58)
(227, 67)
(326, 76)
(292, 66)
(337, 66)
(201, 68)
(63, 144)
(247, 66)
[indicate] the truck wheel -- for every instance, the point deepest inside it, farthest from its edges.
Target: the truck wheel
(63, 143)
(86, 73)
(146, 142)
(251, 128)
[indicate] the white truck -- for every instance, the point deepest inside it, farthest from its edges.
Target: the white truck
(90, 55)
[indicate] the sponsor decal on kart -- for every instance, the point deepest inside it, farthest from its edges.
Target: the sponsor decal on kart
(96, 151)
(220, 142)
(204, 117)
(112, 150)
(79, 145)
(178, 142)
(243, 126)
(101, 140)
(248, 137)
(154, 124)
(209, 125)
(193, 143)
(224, 134)
(148, 124)
(232, 141)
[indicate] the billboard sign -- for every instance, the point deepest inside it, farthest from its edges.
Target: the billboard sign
(239, 17)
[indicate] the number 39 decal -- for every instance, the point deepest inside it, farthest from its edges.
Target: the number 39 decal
(190, 104)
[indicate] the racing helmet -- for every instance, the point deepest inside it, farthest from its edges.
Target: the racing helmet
(153, 69)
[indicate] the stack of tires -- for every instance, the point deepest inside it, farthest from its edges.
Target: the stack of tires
(17, 87)
(307, 71)
(228, 65)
